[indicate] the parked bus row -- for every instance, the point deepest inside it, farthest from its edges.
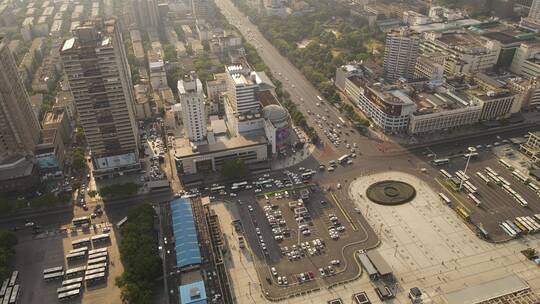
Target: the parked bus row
(470, 187)
(506, 164)
(462, 176)
(521, 225)
(483, 177)
(10, 290)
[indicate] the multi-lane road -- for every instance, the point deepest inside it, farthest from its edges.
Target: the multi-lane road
(302, 92)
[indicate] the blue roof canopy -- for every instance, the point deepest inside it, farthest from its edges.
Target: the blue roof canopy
(185, 233)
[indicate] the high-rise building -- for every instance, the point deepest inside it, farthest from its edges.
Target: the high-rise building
(200, 10)
(190, 91)
(146, 14)
(400, 54)
(534, 11)
(19, 127)
(97, 69)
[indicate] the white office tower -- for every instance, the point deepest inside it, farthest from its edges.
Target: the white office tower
(400, 54)
(241, 87)
(95, 63)
(191, 95)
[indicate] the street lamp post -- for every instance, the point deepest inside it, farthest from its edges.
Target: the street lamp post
(471, 150)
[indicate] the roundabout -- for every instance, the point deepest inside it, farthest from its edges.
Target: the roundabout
(390, 192)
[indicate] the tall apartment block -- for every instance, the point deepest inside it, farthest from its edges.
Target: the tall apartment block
(400, 54)
(19, 127)
(96, 66)
(190, 91)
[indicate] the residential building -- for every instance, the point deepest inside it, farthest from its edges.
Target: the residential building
(146, 14)
(142, 101)
(526, 60)
(158, 76)
(400, 54)
(465, 52)
(214, 91)
(190, 92)
(96, 66)
(534, 10)
(430, 66)
(19, 127)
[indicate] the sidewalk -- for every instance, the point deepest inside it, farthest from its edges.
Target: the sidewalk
(294, 159)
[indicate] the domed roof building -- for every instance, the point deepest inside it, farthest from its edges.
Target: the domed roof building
(277, 115)
(277, 126)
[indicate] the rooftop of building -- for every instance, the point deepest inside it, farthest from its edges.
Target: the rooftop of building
(53, 117)
(222, 143)
(438, 101)
(462, 39)
(91, 34)
(444, 26)
(190, 84)
(15, 166)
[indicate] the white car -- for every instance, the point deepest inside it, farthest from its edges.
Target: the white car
(274, 271)
(335, 262)
(250, 208)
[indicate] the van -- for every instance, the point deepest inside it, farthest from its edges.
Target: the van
(331, 169)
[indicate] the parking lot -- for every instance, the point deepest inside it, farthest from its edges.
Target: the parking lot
(493, 202)
(298, 243)
(50, 249)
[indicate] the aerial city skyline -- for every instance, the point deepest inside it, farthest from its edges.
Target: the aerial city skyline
(241, 151)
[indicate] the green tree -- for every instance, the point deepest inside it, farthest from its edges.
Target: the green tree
(234, 168)
(170, 52)
(79, 161)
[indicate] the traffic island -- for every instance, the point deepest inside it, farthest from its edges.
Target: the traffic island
(390, 192)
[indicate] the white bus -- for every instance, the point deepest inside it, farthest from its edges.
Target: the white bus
(444, 198)
(14, 294)
(504, 181)
(489, 170)
(66, 296)
(441, 161)
(97, 251)
(240, 184)
(343, 159)
(471, 186)
(53, 270)
(514, 227)
(85, 242)
(520, 176)
(534, 187)
(505, 164)
(72, 281)
(482, 177)
(81, 221)
(495, 178)
(473, 155)
(98, 255)
(68, 288)
(475, 200)
(14, 278)
(343, 122)
(100, 238)
(94, 271)
(96, 266)
(122, 222)
(54, 276)
(75, 272)
(506, 228)
(81, 249)
(97, 261)
(445, 174)
(217, 189)
(95, 278)
(76, 256)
